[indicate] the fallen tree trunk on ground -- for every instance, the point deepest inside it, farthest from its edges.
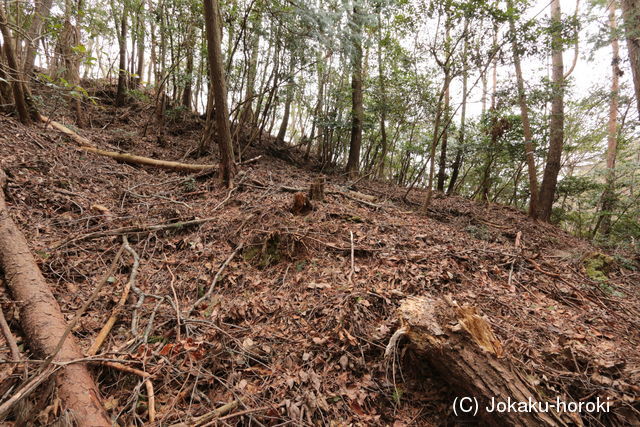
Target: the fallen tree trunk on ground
(461, 346)
(85, 145)
(43, 323)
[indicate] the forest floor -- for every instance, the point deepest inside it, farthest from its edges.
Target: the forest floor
(296, 326)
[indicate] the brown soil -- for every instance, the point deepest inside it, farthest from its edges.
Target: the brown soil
(290, 330)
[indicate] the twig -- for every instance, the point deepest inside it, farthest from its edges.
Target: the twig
(224, 409)
(104, 332)
(253, 160)
(207, 295)
(177, 305)
(132, 281)
(6, 331)
(135, 229)
(353, 268)
(27, 388)
(80, 312)
(124, 368)
(147, 383)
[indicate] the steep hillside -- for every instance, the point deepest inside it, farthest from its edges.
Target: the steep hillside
(302, 307)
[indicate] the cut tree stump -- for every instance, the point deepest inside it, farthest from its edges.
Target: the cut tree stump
(461, 347)
(301, 204)
(43, 323)
(316, 190)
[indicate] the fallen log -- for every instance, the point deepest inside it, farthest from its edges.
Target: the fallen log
(460, 345)
(85, 145)
(148, 161)
(43, 323)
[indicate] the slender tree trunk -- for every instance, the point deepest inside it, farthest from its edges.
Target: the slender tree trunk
(556, 124)
(631, 16)
(122, 72)
(432, 149)
(319, 109)
(442, 164)
(141, 37)
(187, 93)
(383, 111)
(357, 108)
(218, 85)
(41, 13)
(6, 96)
(287, 104)
(152, 72)
(608, 196)
(13, 70)
(457, 163)
(247, 117)
(526, 125)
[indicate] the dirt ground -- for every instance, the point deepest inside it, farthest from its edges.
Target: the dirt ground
(296, 326)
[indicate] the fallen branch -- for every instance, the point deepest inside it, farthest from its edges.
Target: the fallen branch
(86, 145)
(147, 383)
(104, 332)
(207, 295)
(82, 310)
(27, 388)
(224, 409)
(44, 324)
(148, 161)
(11, 341)
(134, 229)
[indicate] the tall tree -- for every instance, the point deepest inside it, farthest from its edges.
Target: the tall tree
(288, 100)
(556, 122)
(608, 196)
(442, 164)
(213, 24)
(524, 114)
(457, 163)
(40, 15)
(631, 15)
(122, 66)
(19, 95)
(383, 99)
(357, 107)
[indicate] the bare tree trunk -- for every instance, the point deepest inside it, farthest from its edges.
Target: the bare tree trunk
(432, 149)
(141, 34)
(383, 112)
(247, 116)
(152, 57)
(218, 85)
(6, 95)
(122, 72)
(442, 164)
(357, 108)
(631, 16)
(526, 125)
(608, 196)
(457, 163)
(41, 13)
(69, 59)
(556, 124)
(187, 93)
(318, 111)
(282, 132)
(13, 70)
